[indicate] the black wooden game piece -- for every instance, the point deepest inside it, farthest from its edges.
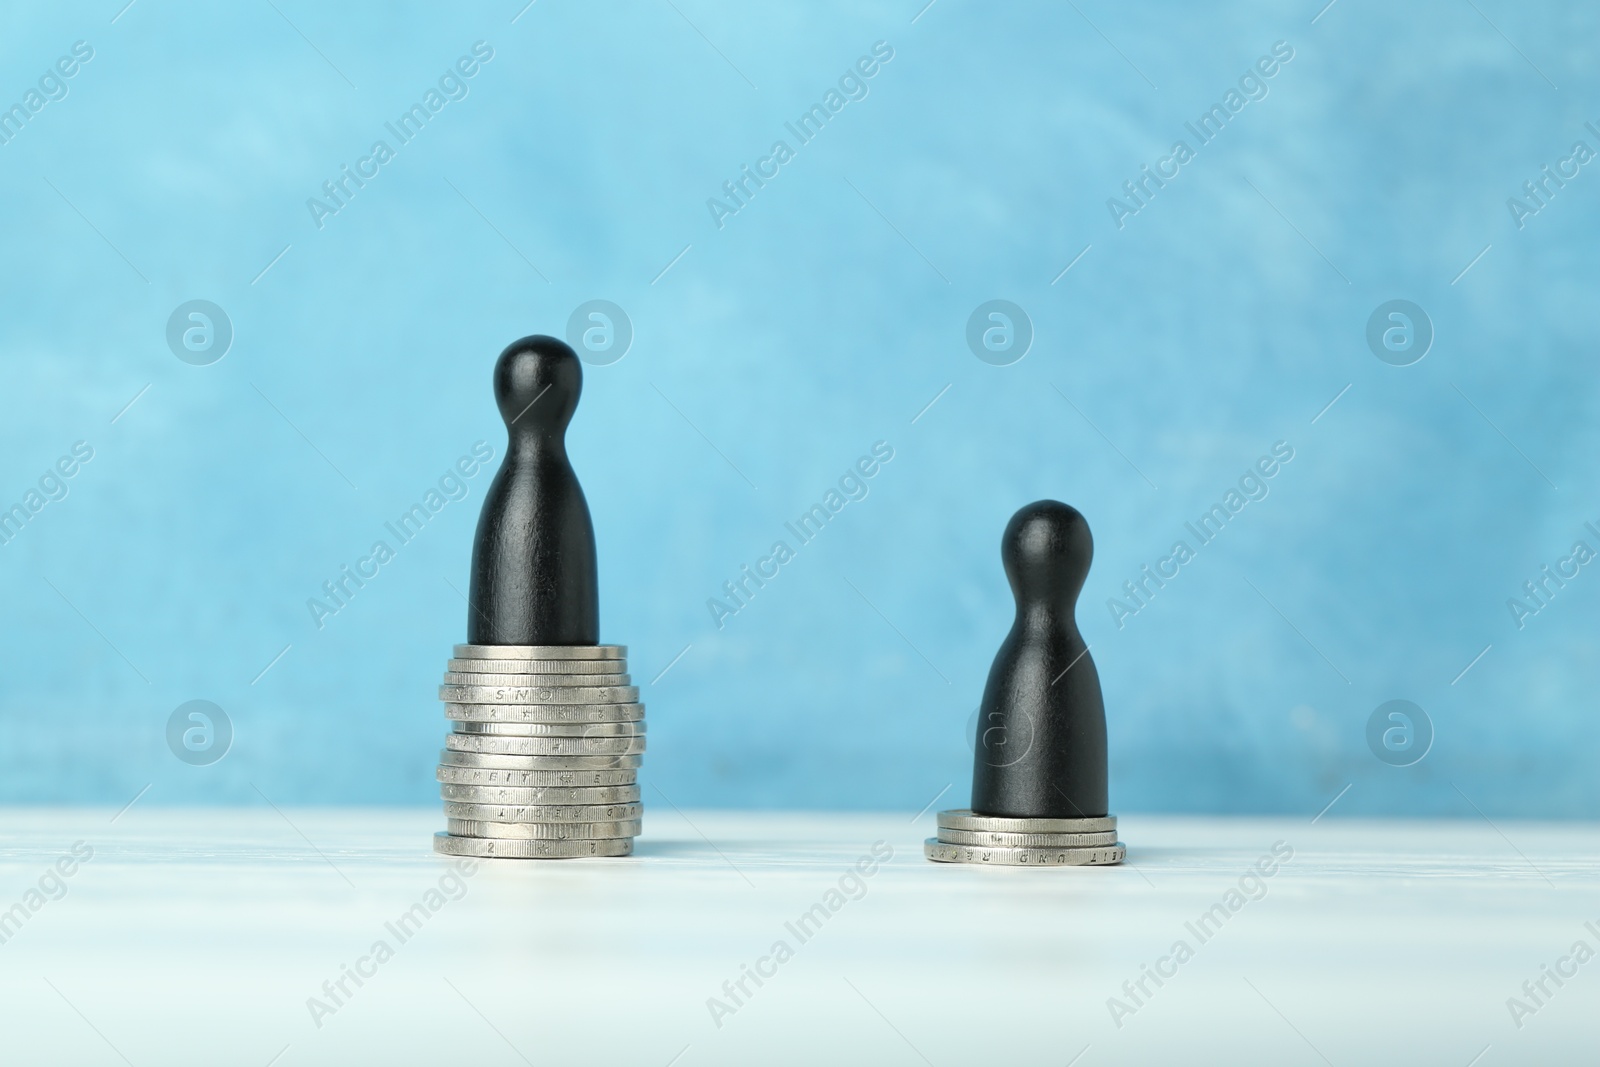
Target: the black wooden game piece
(533, 557)
(1041, 744)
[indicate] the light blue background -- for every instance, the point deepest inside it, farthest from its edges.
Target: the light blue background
(823, 317)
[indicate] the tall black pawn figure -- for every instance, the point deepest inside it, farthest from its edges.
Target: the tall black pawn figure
(1041, 744)
(533, 557)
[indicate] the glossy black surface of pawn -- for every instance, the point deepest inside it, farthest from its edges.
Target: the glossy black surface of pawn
(533, 557)
(1041, 745)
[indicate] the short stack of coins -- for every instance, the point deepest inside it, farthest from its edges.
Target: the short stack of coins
(965, 837)
(542, 761)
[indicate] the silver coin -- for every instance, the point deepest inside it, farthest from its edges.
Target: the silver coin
(548, 713)
(940, 852)
(537, 666)
(529, 681)
(545, 746)
(513, 694)
(558, 813)
(993, 839)
(552, 729)
(515, 762)
(518, 777)
(544, 831)
(548, 796)
(541, 652)
(964, 819)
(509, 849)
(553, 795)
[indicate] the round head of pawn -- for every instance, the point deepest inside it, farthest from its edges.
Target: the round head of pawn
(536, 385)
(1046, 551)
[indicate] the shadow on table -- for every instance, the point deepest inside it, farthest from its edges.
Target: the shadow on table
(673, 849)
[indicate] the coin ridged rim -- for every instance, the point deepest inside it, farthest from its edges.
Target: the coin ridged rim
(544, 712)
(550, 729)
(578, 667)
(965, 819)
(540, 652)
(516, 762)
(942, 852)
(544, 831)
(500, 744)
(543, 796)
(543, 813)
(538, 681)
(539, 694)
(999, 839)
(493, 848)
(498, 776)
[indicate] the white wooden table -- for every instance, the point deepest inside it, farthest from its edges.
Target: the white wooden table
(201, 937)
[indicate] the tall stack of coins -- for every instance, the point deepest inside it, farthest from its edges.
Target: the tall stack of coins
(968, 838)
(542, 761)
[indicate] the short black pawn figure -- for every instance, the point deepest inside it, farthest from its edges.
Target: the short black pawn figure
(533, 558)
(1041, 744)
